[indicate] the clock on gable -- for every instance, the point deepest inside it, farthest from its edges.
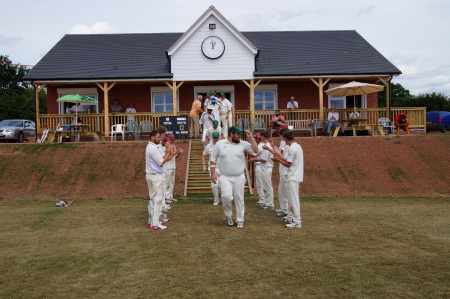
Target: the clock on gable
(213, 47)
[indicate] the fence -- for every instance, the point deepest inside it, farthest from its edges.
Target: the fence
(416, 116)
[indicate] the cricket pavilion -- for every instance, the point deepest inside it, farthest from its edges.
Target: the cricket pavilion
(162, 73)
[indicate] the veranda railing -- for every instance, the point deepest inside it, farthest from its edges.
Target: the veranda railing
(416, 116)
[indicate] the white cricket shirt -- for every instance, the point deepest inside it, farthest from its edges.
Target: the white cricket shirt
(231, 156)
(295, 156)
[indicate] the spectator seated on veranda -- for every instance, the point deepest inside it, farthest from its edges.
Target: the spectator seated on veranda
(278, 121)
(401, 121)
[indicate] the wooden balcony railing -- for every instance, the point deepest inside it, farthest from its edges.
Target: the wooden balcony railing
(416, 116)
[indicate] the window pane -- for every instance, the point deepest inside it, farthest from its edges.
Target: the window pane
(159, 99)
(258, 106)
(339, 104)
(159, 108)
(270, 106)
(169, 98)
(258, 97)
(169, 108)
(269, 96)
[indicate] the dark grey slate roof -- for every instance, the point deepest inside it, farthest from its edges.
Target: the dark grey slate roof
(135, 56)
(317, 53)
(106, 56)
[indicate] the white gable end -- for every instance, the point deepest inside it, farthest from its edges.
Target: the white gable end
(188, 63)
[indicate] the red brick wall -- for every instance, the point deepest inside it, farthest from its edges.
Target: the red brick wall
(306, 93)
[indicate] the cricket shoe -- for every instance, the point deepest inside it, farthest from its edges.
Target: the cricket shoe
(229, 221)
(174, 199)
(159, 227)
(169, 201)
(293, 225)
(267, 208)
(282, 214)
(163, 220)
(240, 224)
(288, 221)
(259, 202)
(215, 204)
(262, 205)
(279, 210)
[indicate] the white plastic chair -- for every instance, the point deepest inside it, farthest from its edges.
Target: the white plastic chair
(386, 123)
(117, 129)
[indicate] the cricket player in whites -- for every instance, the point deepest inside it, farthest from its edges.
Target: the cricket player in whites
(207, 152)
(155, 158)
(264, 157)
(170, 172)
(294, 176)
(229, 155)
(225, 113)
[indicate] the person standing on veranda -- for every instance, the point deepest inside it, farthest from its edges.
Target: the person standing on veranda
(225, 112)
(230, 153)
(196, 111)
(294, 164)
(207, 152)
(155, 158)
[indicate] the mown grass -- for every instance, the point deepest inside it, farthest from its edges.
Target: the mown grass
(347, 247)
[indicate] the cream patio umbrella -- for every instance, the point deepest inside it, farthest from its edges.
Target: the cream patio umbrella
(354, 88)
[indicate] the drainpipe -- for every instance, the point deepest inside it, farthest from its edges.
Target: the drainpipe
(35, 112)
(390, 97)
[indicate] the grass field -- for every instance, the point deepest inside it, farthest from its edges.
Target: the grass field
(347, 247)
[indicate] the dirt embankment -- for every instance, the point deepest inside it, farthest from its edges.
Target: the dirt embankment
(343, 166)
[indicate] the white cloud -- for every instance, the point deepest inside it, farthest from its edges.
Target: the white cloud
(97, 28)
(9, 40)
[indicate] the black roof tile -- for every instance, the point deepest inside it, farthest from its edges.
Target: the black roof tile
(135, 56)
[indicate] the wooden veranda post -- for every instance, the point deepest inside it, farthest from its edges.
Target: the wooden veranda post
(106, 90)
(321, 84)
(37, 90)
(252, 85)
(174, 87)
(386, 82)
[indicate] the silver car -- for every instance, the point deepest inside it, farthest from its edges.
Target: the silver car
(17, 129)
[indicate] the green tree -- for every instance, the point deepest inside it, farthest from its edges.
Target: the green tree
(16, 97)
(433, 101)
(400, 96)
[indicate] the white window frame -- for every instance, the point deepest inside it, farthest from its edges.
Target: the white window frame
(163, 89)
(92, 92)
(219, 89)
(269, 88)
(343, 98)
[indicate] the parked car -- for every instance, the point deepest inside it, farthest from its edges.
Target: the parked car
(17, 129)
(438, 120)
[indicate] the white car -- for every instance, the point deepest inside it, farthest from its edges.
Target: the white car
(17, 129)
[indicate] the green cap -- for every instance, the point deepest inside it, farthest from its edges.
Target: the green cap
(235, 129)
(216, 135)
(222, 94)
(215, 123)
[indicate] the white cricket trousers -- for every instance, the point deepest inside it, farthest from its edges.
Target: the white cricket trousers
(267, 189)
(156, 192)
(170, 182)
(282, 194)
(204, 137)
(233, 187)
(258, 183)
(224, 121)
(215, 187)
(292, 190)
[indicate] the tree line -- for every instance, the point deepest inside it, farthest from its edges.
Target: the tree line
(17, 99)
(401, 97)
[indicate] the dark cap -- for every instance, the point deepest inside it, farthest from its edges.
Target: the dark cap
(216, 135)
(235, 129)
(215, 123)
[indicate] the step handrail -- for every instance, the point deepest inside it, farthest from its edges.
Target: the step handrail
(187, 169)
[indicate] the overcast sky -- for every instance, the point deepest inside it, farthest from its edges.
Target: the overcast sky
(412, 34)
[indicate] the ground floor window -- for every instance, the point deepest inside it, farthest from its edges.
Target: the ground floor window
(343, 102)
(64, 107)
(162, 99)
(266, 97)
